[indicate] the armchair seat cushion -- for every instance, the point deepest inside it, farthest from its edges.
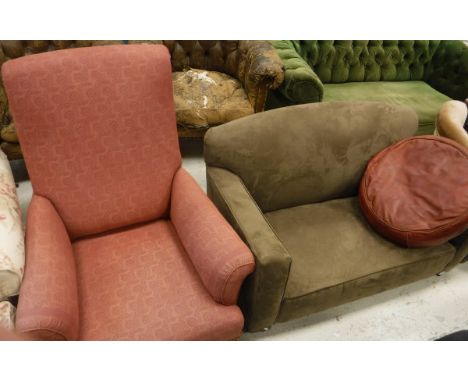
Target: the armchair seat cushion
(206, 98)
(343, 259)
(422, 98)
(139, 284)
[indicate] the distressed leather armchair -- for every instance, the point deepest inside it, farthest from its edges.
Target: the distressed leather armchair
(421, 74)
(121, 243)
(287, 180)
(247, 71)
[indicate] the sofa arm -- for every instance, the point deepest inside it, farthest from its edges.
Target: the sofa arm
(448, 70)
(220, 257)
(461, 245)
(260, 70)
(48, 303)
(301, 84)
(264, 289)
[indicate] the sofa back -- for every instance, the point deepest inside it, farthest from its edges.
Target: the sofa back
(307, 153)
(98, 131)
(337, 61)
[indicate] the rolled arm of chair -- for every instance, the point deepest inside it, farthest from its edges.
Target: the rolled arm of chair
(301, 84)
(448, 70)
(260, 70)
(220, 257)
(48, 304)
(264, 289)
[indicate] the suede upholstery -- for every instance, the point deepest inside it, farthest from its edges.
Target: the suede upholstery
(310, 66)
(287, 180)
(121, 242)
(321, 154)
(337, 257)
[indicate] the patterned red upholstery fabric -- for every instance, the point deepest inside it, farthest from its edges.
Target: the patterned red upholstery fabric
(139, 284)
(48, 304)
(103, 158)
(91, 118)
(222, 260)
(415, 192)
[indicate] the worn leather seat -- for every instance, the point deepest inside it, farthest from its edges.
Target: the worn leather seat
(204, 98)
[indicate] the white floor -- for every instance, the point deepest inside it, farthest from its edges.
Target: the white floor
(424, 310)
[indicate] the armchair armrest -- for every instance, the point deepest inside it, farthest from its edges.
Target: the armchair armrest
(220, 257)
(448, 70)
(301, 84)
(48, 304)
(260, 69)
(265, 288)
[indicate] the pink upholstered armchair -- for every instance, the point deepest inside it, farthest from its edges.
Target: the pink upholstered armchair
(121, 242)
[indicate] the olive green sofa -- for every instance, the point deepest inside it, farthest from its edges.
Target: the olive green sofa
(421, 74)
(287, 181)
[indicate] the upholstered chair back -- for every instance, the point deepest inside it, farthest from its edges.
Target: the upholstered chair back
(307, 153)
(368, 60)
(98, 132)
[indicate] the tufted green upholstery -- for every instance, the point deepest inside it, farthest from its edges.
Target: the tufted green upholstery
(416, 94)
(311, 66)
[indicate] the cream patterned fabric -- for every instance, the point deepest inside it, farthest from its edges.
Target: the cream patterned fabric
(7, 315)
(11, 233)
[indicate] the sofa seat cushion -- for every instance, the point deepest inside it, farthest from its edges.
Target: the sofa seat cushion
(337, 257)
(205, 98)
(425, 100)
(139, 284)
(11, 233)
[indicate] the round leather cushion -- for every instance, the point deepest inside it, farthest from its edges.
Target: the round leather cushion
(415, 192)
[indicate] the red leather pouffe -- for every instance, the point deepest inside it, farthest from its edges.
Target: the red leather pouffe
(415, 192)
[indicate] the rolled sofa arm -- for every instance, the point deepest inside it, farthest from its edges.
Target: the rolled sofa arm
(461, 245)
(448, 70)
(220, 257)
(263, 291)
(301, 84)
(48, 304)
(260, 70)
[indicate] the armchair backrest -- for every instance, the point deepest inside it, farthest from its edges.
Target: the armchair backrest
(307, 153)
(98, 132)
(337, 61)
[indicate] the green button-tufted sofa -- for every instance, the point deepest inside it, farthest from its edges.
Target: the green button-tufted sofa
(421, 74)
